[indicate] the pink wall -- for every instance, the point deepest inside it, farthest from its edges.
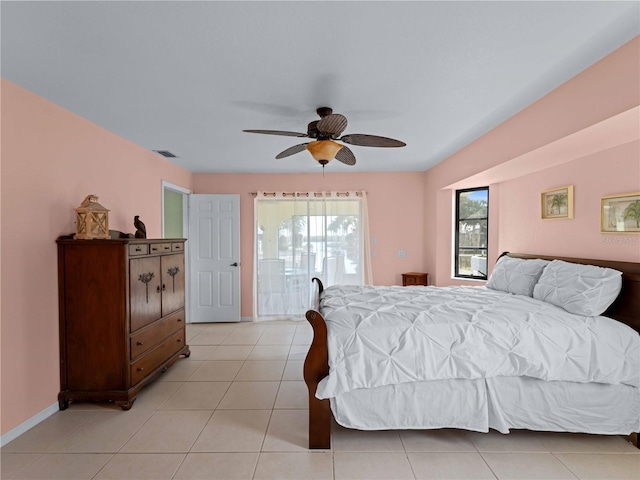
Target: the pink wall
(616, 170)
(396, 212)
(603, 94)
(51, 159)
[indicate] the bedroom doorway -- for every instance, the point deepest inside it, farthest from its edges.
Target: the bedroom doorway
(174, 211)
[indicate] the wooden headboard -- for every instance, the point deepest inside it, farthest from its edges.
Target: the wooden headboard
(626, 308)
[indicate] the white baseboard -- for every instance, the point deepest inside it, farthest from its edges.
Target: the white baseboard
(246, 319)
(28, 424)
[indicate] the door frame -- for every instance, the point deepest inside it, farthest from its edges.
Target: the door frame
(185, 192)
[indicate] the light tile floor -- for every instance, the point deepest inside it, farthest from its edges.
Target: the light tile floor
(236, 409)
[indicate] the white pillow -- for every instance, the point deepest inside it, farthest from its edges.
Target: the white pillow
(581, 289)
(516, 275)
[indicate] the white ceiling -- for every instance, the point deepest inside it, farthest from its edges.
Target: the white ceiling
(190, 76)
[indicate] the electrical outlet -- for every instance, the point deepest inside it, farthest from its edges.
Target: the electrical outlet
(402, 254)
(373, 254)
(373, 240)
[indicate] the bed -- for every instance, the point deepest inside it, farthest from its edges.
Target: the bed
(480, 358)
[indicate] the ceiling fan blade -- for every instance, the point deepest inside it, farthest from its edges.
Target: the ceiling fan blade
(292, 150)
(333, 124)
(278, 132)
(346, 156)
(371, 141)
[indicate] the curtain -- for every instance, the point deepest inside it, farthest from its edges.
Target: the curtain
(301, 235)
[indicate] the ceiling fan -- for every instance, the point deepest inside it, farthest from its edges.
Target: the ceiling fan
(325, 132)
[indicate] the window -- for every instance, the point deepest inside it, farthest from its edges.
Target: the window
(472, 232)
(301, 236)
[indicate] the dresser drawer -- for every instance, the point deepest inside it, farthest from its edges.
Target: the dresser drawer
(177, 247)
(143, 340)
(160, 247)
(152, 360)
(139, 249)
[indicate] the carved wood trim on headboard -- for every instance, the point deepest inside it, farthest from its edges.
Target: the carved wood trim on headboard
(626, 308)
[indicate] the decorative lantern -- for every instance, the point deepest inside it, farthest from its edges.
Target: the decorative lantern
(92, 219)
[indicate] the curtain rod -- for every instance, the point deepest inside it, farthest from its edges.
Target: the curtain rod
(305, 194)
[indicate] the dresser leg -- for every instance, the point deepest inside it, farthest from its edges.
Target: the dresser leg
(63, 402)
(126, 405)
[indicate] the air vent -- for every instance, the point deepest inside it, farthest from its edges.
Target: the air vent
(166, 153)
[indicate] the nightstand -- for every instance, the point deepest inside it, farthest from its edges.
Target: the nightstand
(415, 278)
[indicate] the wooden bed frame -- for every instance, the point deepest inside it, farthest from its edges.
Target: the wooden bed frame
(625, 309)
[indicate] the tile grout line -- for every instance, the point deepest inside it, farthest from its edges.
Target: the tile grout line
(17, 474)
(565, 465)
(406, 454)
(179, 465)
(495, 475)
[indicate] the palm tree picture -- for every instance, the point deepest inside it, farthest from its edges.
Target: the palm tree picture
(557, 203)
(621, 213)
(632, 212)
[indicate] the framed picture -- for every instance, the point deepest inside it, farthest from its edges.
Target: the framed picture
(620, 213)
(557, 203)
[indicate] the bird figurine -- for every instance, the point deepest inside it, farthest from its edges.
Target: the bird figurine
(141, 229)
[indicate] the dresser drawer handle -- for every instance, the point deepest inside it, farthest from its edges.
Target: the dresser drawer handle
(138, 249)
(179, 340)
(141, 369)
(139, 343)
(178, 319)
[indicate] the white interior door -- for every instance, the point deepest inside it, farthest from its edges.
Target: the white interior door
(214, 258)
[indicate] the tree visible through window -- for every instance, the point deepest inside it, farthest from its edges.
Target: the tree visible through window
(472, 231)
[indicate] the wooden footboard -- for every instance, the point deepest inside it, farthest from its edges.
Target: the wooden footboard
(316, 367)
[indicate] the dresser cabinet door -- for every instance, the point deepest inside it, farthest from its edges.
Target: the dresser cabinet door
(145, 291)
(172, 283)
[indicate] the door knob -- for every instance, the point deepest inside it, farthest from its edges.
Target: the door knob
(234, 264)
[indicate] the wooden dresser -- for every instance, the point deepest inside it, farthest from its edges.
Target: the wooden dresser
(122, 317)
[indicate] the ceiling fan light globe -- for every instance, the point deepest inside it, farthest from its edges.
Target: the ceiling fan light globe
(323, 150)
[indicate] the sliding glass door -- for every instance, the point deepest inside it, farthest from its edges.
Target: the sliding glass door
(300, 236)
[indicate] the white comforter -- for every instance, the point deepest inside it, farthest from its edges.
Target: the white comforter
(390, 335)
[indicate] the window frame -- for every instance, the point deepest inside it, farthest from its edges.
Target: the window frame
(456, 253)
